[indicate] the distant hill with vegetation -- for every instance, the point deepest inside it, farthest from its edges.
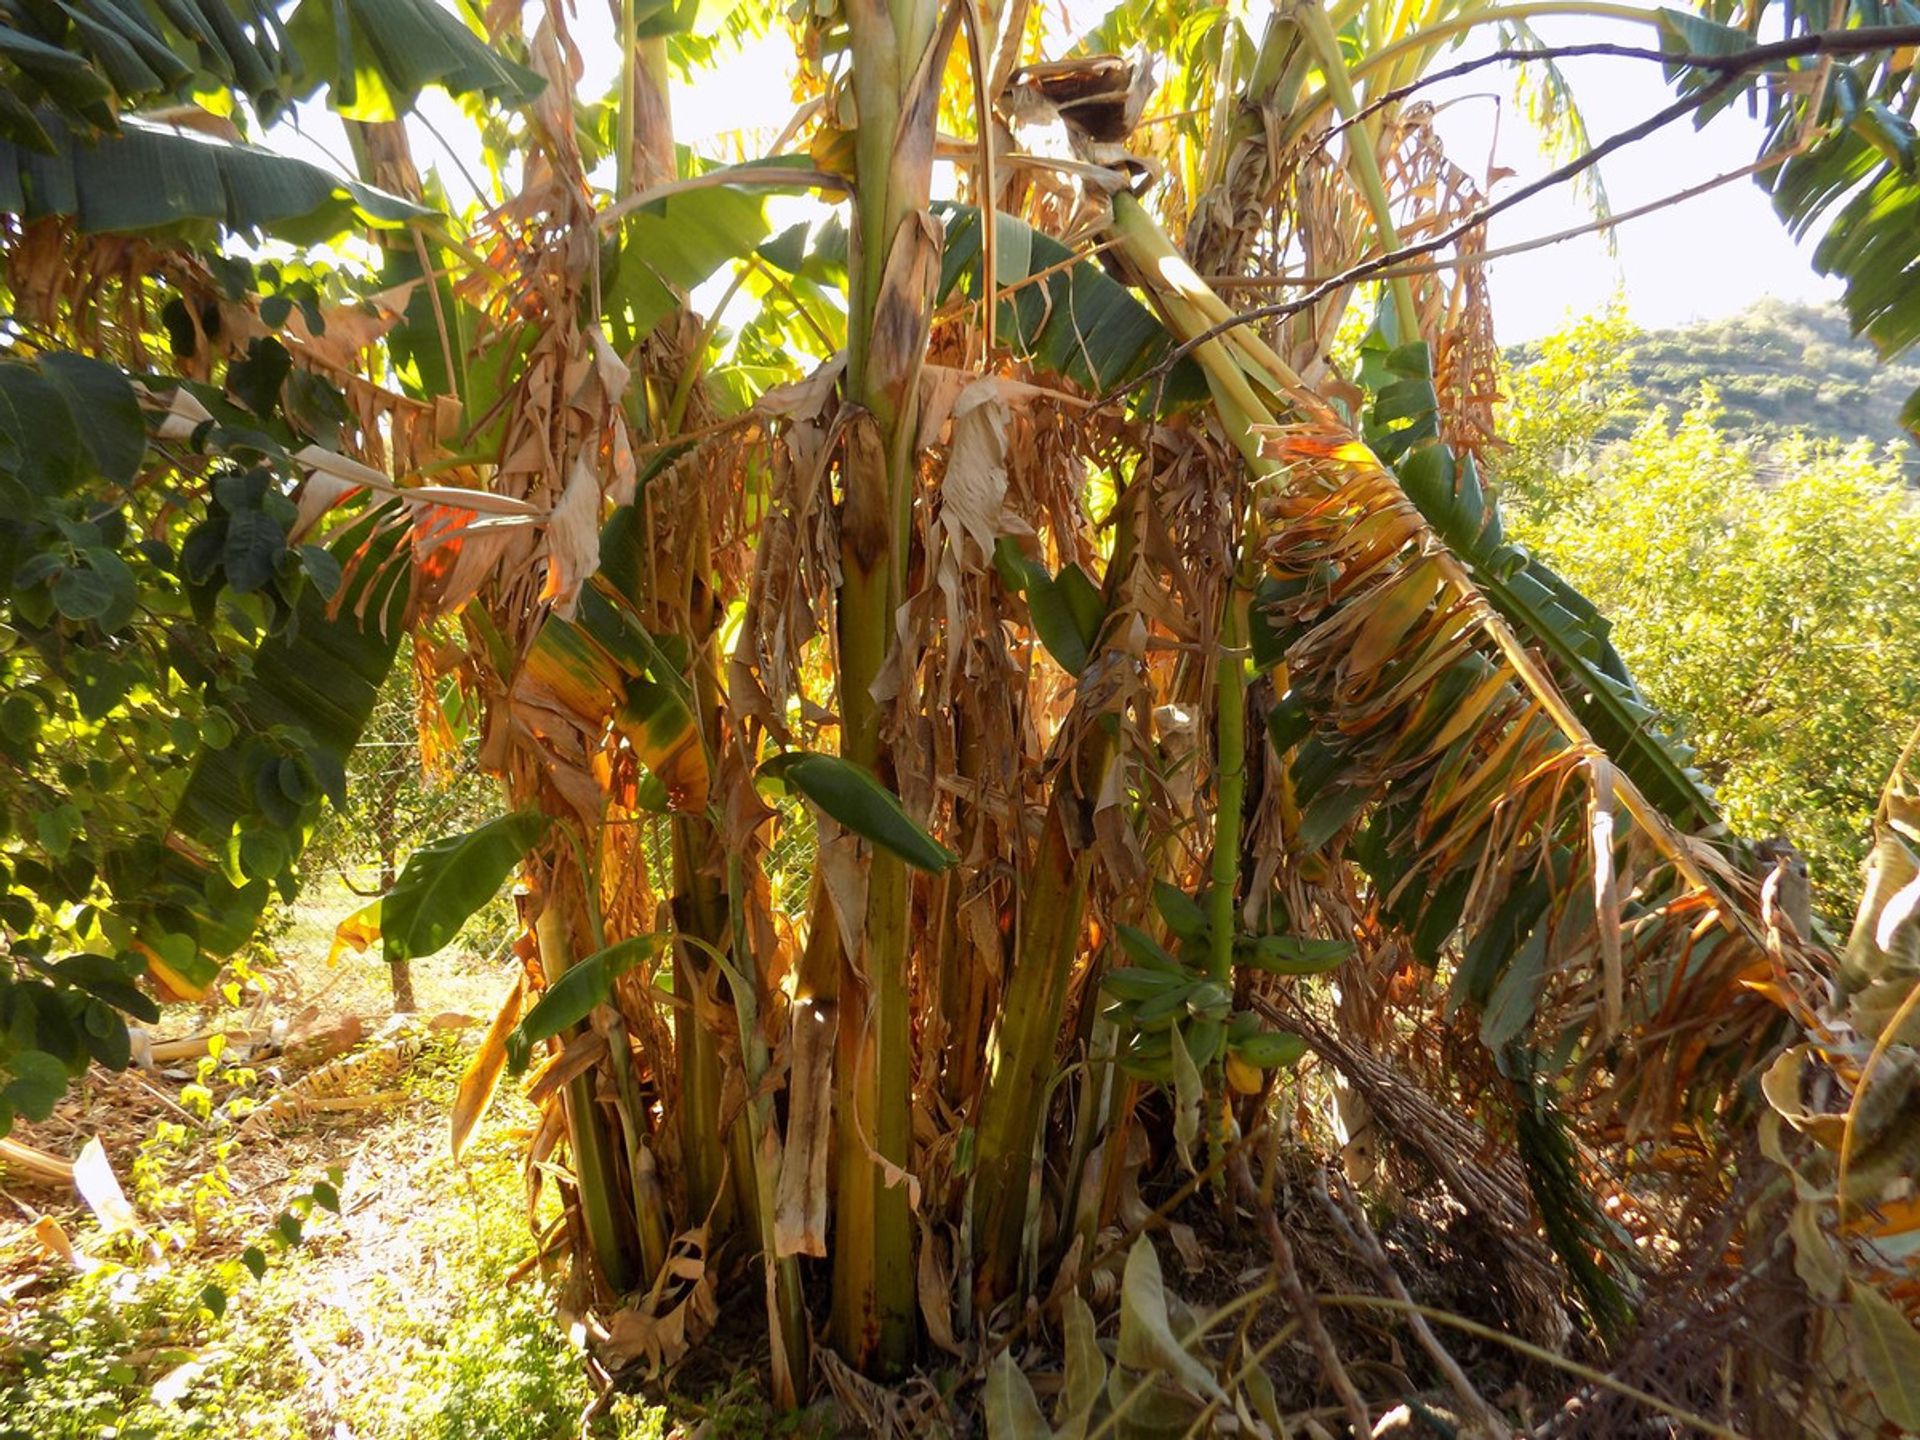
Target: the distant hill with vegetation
(1778, 368)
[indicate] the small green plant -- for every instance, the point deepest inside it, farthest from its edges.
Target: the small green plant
(1158, 999)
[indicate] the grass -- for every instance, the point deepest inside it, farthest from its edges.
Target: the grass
(392, 1320)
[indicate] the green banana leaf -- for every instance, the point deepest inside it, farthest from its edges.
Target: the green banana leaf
(155, 178)
(447, 880)
(1078, 321)
(86, 59)
(295, 719)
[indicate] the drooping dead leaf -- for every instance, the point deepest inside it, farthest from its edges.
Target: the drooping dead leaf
(319, 493)
(975, 489)
(573, 538)
(454, 551)
(940, 386)
(481, 1078)
(610, 369)
(800, 1197)
(846, 882)
(935, 1291)
(577, 1055)
(804, 399)
(1606, 892)
(673, 1316)
(180, 411)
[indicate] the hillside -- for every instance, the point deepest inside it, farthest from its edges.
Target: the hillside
(1778, 368)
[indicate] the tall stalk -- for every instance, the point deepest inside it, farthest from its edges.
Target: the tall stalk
(1362, 155)
(1051, 928)
(1230, 777)
(1052, 911)
(711, 1159)
(608, 1232)
(896, 58)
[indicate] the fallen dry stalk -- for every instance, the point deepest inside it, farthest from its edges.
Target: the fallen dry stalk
(1351, 1221)
(1305, 1306)
(36, 1166)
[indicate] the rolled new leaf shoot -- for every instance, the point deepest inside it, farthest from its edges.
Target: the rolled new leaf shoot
(573, 996)
(850, 795)
(1291, 954)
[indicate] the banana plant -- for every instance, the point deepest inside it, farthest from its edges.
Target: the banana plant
(962, 677)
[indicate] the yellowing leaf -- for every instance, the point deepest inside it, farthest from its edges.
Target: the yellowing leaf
(658, 725)
(482, 1076)
(357, 932)
(178, 970)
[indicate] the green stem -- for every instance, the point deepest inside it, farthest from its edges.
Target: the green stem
(627, 127)
(1013, 1108)
(1052, 924)
(593, 1175)
(648, 1207)
(873, 1300)
(1362, 155)
(784, 1308)
(1230, 780)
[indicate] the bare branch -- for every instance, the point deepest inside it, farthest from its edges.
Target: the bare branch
(1520, 247)
(1862, 41)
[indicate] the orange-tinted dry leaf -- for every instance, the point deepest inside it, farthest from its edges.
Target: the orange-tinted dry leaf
(52, 1237)
(482, 1075)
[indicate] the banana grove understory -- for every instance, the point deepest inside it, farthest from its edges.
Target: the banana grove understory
(993, 739)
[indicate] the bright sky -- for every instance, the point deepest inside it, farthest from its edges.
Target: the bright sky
(1708, 257)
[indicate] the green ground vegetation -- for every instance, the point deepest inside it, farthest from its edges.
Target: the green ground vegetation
(1779, 369)
(1760, 585)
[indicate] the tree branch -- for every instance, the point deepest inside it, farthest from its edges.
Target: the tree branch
(1861, 41)
(1729, 69)
(1225, 283)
